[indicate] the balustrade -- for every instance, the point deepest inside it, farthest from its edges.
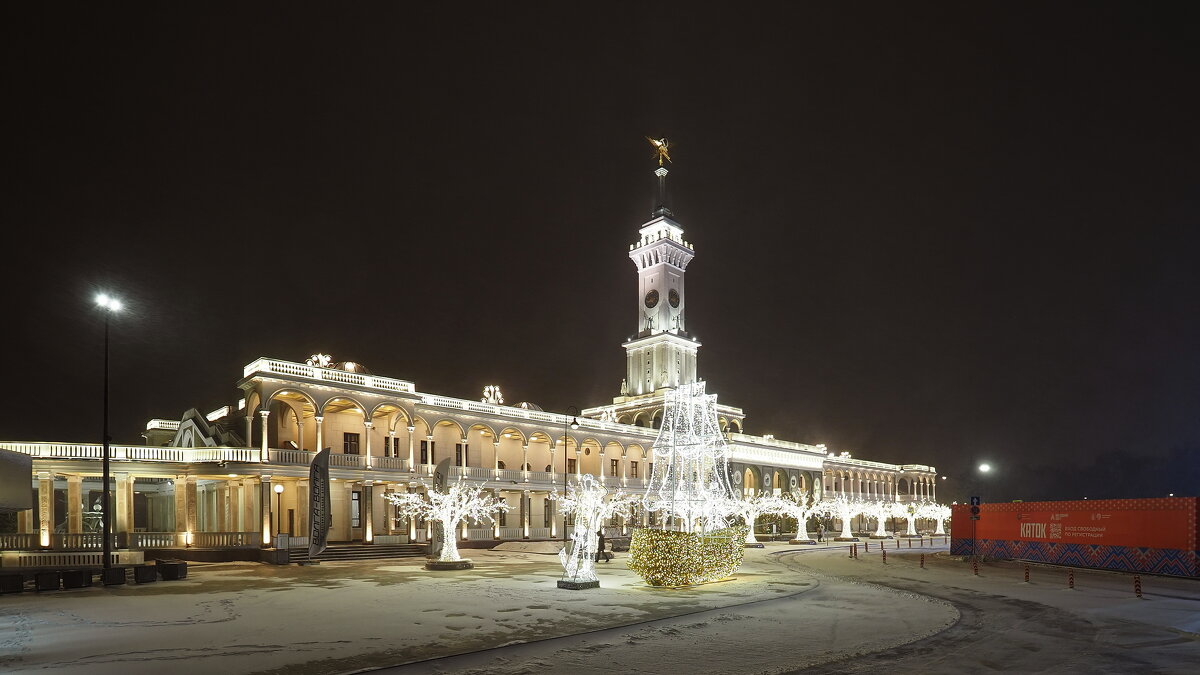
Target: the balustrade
(226, 539)
(24, 541)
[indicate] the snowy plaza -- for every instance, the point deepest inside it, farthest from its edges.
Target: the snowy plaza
(789, 608)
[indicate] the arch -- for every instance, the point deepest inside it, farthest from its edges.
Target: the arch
(656, 421)
(485, 429)
(514, 434)
(449, 422)
(636, 447)
(902, 486)
(423, 423)
(291, 395)
(641, 420)
(735, 426)
(393, 411)
(751, 481)
(334, 405)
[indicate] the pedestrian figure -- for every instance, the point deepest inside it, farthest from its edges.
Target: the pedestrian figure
(600, 554)
(820, 532)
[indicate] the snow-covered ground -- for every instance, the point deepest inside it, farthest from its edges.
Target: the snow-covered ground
(790, 607)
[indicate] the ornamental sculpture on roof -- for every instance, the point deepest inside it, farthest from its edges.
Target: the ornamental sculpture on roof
(662, 149)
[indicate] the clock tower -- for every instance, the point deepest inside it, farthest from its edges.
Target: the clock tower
(662, 354)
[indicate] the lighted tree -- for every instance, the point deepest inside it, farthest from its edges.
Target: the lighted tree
(879, 511)
(752, 506)
(460, 501)
(844, 509)
(802, 507)
(935, 512)
(591, 505)
(909, 513)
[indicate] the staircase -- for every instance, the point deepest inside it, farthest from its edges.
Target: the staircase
(359, 552)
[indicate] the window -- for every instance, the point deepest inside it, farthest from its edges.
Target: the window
(549, 468)
(546, 513)
(460, 454)
(614, 467)
(355, 506)
(503, 518)
(649, 468)
(570, 465)
(427, 452)
(652, 518)
(500, 464)
(569, 520)
(633, 469)
(350, 443)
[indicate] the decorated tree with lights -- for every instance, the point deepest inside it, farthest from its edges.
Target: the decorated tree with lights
(879, 511)
(801, 506)
(591, 504)
(844, 509)
(460, 501)
(750, 507)
(909, 513)
(935, 512)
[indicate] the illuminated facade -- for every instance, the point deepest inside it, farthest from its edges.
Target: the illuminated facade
(207, 481)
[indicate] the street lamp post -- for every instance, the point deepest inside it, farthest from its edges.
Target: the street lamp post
(111, 306)
(279, 509)
(574, 424)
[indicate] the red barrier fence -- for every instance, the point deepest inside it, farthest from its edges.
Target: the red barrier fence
(1132, 535)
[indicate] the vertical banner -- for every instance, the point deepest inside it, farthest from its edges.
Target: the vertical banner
(318, 503)
(441, 476)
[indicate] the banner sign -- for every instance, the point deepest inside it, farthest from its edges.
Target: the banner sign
(441, 477)
(318, 503)
(1138, 535)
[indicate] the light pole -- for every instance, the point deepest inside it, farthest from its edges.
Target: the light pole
(279, 509)
(111, 306)
(574, 424)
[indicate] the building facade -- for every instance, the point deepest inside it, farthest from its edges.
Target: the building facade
(237, 477)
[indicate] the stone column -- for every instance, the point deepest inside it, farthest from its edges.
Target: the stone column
(496, 457)
(496, 519)
(265, 414)
(391, 443)
(348, 487)
(601, 455)
(74, 504)
(389, 510)
(46, 508)
(248, 513)
(302, 497)
(411, 465)
(265, 504)
(249, 429)
(222, 494)
(367, 426)
(935, 490)
(368, 512)
(525, 514)
(525, 462)
(412, 522)
(299, 434)
(123, 524)
(320, 433)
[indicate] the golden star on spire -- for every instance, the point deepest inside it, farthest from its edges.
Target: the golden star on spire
(661, 149)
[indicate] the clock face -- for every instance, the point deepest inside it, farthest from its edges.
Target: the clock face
(652, 299)
(673, 297)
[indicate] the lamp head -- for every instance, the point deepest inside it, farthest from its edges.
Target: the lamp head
(574, 422)
(108, 302)
(278, 488)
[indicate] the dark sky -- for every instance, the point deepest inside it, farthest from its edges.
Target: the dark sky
(925, 233)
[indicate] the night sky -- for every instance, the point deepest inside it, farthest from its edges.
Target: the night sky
(925, 233)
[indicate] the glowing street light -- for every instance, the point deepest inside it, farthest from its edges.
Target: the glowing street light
(111, 306)
(985, 467)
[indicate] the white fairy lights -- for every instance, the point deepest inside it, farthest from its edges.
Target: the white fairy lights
(461, 501)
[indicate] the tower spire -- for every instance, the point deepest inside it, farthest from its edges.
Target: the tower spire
(662, 150)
